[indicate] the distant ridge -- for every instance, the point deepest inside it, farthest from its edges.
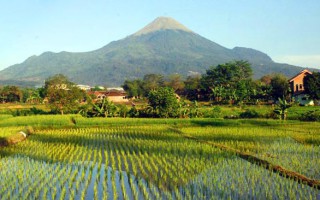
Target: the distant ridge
(162, 23)
(162, 47)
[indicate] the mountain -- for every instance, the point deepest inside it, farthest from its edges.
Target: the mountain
(164, 46)
(162, 23)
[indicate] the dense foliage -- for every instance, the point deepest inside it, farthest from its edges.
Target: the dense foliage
(100, 108)
(62, 95)
(11, 94)
(229, 83)
(312, 115)
(312, 85)
(280, 86)
(163, 102)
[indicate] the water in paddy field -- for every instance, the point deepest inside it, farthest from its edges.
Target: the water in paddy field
(26, 178)
(239, 179)
(41, 180)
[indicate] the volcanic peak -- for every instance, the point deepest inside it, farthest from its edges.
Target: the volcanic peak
(162, 23)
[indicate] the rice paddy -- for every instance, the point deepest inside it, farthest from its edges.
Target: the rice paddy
(77, 158)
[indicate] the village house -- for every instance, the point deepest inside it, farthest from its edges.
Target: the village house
(296, 82)
(97, 95)
(116, 96)
(297, 88)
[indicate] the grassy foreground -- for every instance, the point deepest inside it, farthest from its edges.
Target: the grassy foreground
(71, 157)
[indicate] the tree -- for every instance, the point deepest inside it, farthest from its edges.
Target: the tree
(266, 79)
(311, 84)
(280, 86)
(245, 89)
(63, 95)
(11, 94)
(152, 82)
(134, 88)
(175, 82)
(163, 102)
(192, 87)
(58, 81)
(244, 70)
(264, 89)
(31, 95)
(227, 76)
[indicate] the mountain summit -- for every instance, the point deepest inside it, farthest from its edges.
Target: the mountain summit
(162, 47)
(162, 23)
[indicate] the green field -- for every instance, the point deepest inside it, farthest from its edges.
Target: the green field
(71, 157)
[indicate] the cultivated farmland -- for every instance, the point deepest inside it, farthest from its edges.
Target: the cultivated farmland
(78, 158)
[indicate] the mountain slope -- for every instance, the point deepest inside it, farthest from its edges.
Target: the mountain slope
(163, 46)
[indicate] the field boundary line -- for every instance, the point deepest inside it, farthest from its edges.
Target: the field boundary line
(258, 161)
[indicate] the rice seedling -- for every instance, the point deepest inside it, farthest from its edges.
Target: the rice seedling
(138, 160)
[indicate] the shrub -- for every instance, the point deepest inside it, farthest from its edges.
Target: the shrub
(271, 115)
(133, 112)
(28, 112)
(163, 102)
(250, 113)
(123, 110)
(215, 112)
(313, 115)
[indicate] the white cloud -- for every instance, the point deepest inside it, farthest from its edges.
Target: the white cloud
(311, 61)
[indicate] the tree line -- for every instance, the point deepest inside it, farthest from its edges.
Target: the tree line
(228, 83)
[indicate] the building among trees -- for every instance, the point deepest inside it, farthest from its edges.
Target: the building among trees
(114, 95)
(298, 89)
(296, 82)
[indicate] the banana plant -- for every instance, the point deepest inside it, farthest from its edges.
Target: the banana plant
(102, 108)
(282, 108)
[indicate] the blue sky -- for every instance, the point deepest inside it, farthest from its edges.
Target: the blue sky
(287, 30)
